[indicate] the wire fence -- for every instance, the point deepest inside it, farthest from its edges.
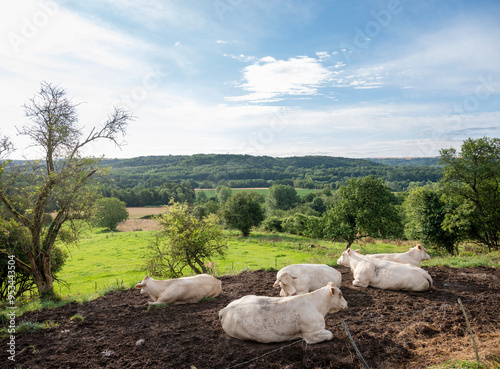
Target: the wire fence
(344, 325)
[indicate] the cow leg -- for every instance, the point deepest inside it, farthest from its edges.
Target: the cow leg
(318, 336)
(360, 283)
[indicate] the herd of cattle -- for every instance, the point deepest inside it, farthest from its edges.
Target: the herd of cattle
(308, 293)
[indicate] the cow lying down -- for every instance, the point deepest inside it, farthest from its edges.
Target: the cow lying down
(414, 256)
(385, 274)
(276, 319)
(302, 278)
(180, 290)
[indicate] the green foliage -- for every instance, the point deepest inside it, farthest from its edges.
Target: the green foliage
(303, 225)
(246, 171)
(425, 213)
(77, 317)
(282, 197)
(364, 207)
(223, 193)
(471, 181)
(63, 181)
(273, 224)
(14, 239)
(184, 241)
(110, 211)
(151, 193)
(243, 211)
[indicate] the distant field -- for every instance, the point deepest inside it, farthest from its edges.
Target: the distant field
(260, 190)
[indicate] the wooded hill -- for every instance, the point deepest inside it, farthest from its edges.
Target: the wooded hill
(238, 171)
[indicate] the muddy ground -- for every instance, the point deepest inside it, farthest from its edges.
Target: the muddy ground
(391, 329)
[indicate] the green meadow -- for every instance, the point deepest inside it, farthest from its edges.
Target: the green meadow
(104, 261)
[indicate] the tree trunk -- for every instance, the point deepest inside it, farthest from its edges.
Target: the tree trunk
(42, 275)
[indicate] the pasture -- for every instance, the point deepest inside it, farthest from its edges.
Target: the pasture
(107, 260)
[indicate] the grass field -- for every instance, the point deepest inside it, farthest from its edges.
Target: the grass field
(105, 260)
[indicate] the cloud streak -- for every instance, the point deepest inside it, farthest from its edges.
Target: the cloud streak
(273, 80)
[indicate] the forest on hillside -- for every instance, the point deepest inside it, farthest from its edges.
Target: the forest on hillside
(241, 171)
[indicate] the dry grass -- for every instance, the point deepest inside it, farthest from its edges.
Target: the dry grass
(444, 347)
(135, 223)
(137, 213)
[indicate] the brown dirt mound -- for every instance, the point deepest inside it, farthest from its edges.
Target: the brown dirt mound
(391, 329)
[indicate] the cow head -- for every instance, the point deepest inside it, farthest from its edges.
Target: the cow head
(422, 252)
(143, 283)
(344, 258)
(285, 281)
(337, 302)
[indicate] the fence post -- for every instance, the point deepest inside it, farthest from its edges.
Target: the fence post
(354, 344)
(470, 329)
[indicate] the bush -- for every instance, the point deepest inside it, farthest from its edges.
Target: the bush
(273, 224)
(110, 211)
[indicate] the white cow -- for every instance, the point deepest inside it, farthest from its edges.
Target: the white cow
(180, 290)
(385, 274)
(414, 256)
(276, 319)
(302, 278)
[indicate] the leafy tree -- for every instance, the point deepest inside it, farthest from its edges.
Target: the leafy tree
(184, 241)
(223, 193)
(109, 211)
(303, 225)
(425, 213)
(282, 197)
(61, 182)
(472, 180)
(364, 207)
(243, 211)
(14, 238)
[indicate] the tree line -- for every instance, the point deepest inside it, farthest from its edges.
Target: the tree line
(242, 171)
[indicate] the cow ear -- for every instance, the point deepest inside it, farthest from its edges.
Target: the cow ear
(419, 246)
(356, 251)
(139, 285)
(332, 291)
(349, 251)
(293, 276)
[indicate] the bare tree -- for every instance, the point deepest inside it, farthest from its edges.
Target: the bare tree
(61, 182)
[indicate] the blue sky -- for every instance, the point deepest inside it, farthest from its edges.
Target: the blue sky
(389, 78)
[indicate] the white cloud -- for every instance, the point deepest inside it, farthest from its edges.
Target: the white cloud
(270, 79)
